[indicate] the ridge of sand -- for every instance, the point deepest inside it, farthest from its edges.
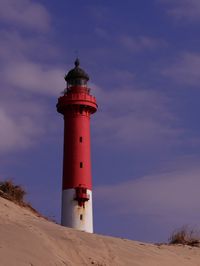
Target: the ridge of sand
(26, 239)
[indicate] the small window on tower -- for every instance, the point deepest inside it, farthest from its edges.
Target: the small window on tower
(81, 139)
(81, 164)
(81, 216)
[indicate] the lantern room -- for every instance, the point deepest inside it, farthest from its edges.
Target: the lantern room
(76, 76)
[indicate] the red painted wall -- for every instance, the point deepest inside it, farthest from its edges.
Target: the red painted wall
(77, 108)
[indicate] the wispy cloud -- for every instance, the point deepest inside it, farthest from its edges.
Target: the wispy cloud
(23, 63)
(183, 9)
(35, 77)
(171, 196)
(140, 43)
(185, 69)
(134, 117)
(14, 45)
(25, 67)
(25, 13)
(131, 42)
(102, 33)
(22, 122)
(99, 13)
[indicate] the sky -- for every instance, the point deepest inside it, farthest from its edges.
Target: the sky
(143, 59)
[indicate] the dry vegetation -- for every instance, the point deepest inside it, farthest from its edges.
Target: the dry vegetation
(12, 192)
(15, 193)
(185, 236)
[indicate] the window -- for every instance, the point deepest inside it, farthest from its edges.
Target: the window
(81, 164)
(81, 216)
(81, 139)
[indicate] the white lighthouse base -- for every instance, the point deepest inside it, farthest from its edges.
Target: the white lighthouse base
(72, 215)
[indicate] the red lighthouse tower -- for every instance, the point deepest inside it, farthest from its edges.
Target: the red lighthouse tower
(76, 105)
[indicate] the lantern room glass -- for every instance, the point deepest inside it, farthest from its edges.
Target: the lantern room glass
(77, 82)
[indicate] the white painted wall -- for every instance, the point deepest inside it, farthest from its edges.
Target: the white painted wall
(71, 211)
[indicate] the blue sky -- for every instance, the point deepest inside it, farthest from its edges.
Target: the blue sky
(143, 58)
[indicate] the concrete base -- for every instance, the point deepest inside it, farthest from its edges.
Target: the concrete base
(72, 215)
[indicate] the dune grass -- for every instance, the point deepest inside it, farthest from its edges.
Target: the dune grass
(16, 194)
(185, 236)
(12, 192)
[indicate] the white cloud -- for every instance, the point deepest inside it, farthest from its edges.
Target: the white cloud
(15, 46)
(25, 13)
(23, 64)
(132, 116)
(183, 9)
(23, 116)
(22, 122)
(34, 77)
(185, 69)
(171, 196)
(25, 75)
(140, 43)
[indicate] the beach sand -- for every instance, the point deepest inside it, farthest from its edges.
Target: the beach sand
(26, 239)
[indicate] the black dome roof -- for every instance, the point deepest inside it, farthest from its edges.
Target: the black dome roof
(76, 73)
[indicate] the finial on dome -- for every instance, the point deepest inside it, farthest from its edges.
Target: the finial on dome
(76, 73)
(77, 62)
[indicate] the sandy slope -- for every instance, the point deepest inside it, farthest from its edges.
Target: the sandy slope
(26, 239)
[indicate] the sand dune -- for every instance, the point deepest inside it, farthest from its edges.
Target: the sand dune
(26, 239)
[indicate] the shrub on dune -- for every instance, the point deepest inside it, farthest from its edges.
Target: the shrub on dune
(12, 192)
(185, 236)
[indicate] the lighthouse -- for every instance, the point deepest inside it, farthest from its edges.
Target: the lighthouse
(76, 106)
